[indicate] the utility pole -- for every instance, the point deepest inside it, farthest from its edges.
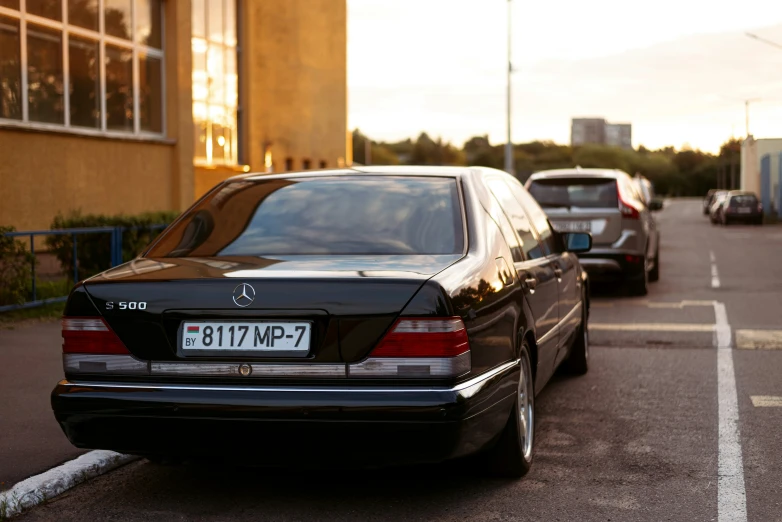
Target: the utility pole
(746, 112)
(509, 143)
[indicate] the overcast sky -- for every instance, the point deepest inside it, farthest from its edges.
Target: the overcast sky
(678, 70)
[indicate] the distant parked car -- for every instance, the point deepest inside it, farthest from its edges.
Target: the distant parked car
(741, 207)
(708, 200)
(715, 210)
(608, 204)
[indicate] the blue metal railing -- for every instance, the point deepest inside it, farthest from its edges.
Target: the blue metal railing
(115, 255)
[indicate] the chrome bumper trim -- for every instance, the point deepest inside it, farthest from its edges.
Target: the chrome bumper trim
(464, 389)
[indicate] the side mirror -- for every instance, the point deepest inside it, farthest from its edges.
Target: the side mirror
(656, 204)
(577, 242)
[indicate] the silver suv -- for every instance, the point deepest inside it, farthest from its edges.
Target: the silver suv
(610, 205)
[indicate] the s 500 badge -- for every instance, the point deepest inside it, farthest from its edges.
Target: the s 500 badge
(127, 305)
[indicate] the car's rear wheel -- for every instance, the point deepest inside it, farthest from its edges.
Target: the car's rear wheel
(639, 285)
(654, 273)
(577, 362)
(512, 455)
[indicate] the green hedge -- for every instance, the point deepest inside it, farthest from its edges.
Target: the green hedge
(15, 273)
(94, 250)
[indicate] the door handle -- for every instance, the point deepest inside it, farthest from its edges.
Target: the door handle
(558, 273)
(531, 283)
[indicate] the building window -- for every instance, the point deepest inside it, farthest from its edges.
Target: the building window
(215, 82)
(305, 164)
(88, 66)
(323, 164)
(288, 164)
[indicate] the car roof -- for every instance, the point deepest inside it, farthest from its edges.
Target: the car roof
(381, 170)
(741, 193)
(578, 171)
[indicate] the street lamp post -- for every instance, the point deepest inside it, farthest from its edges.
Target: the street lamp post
(508, 142)
(746, 113)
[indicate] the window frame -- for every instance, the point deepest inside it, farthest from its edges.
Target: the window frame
(102, 39)
(548, 244)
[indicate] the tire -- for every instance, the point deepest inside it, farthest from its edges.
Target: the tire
(725, 222)
(639, 286)
(513, 453)
(577, 362)
(654, 274)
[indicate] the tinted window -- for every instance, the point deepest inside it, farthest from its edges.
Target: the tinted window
(529, 245)
(743, 200)
(324, 215)
(538, 218)
(575, 192)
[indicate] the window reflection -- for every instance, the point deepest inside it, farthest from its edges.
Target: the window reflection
(119, 89)
(84, 89)
(47, 8)
(117, 18)
(44, 74)
(83, 13)
(148, 22)
(10, 70)
(151, 93)
(215, 81)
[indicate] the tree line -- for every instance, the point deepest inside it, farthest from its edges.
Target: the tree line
(684, 172)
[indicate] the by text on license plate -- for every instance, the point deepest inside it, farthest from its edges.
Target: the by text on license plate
(744, 210)
(278, 337)
(573, 226)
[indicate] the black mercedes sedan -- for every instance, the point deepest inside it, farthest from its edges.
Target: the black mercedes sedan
(366, 316)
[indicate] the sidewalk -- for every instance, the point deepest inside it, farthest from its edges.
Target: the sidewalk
(31, 441)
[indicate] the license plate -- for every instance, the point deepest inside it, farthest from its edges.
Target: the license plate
(573, 226)
(745, 210)
(262, 338)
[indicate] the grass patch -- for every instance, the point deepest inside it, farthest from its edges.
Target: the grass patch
(44, 290)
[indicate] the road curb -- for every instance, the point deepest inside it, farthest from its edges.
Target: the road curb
(39, 488)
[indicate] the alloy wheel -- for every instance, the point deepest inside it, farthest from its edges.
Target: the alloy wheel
(526, 406)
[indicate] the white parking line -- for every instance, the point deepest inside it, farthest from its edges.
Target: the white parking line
(715, 278)
(766, 401)
(731, 494)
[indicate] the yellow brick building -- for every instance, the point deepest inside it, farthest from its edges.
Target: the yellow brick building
(126, 106)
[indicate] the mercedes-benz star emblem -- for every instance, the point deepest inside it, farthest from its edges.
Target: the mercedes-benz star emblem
(244, 295)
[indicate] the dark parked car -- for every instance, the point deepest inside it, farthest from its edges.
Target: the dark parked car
(741, 207)
(376, 315)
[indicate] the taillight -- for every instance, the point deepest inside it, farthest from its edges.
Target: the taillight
(90, 335)
(419, 347)
(90, 346)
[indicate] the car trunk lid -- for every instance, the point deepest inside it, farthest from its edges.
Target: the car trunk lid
(349, 301)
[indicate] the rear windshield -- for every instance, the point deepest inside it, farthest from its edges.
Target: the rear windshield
(744, 199)
(575, 192)
(321, 215)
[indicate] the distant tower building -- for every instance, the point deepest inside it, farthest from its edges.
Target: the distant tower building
(596, 131)
(586, 131)
(619, 135)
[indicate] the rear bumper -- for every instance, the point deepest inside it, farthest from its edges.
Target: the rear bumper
(280, 425)
(611, 265)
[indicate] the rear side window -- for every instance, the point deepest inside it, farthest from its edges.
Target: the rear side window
(575, 192)
(351, 215)
(518, 217)
(538, 217)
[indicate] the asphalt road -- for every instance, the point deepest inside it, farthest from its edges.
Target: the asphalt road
(31, 441)
(641, 437)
